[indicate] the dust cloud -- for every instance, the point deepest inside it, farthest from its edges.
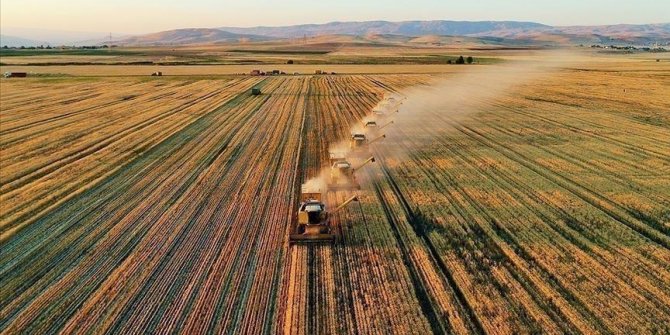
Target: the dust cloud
(421, 114)
(430, 111)
(316, 184)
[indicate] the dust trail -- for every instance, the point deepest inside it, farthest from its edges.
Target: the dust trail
(424, 113)
(428, 112)
(317, 184)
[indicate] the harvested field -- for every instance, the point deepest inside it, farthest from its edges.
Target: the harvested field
(164, 206)
(218, 70)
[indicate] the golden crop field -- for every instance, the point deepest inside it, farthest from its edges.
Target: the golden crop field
(164, 205)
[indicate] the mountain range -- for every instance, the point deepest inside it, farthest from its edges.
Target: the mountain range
(14, 41)
(507, 32)
(405, 28)
(192, 36)
(525, 33)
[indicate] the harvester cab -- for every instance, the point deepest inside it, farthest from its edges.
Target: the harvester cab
(358, 140)
(337, 157)
(341, 176)
(313, 220)
(312, 212)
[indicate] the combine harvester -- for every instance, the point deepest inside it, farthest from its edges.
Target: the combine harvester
(313, 222)
(374, 128)
(313, 225)
(387, 105)
(380, 112)
(342, 173)
(360, 145)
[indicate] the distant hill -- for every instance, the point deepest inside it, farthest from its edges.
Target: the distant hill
(613, 34)
(13, 41)
(619, 30)
(58, 37)
(381, 33)
(424, 32)
(511, 31)
(406, 28)
(190, 36)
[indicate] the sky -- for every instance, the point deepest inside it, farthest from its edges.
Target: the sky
(146, 16)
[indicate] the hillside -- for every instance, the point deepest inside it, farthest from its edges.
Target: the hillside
(13, 41)
(613, 34)
(509, 33)
(422, 32)
(191, 36)
(407, 28)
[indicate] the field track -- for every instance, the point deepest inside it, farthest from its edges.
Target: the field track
(163, 206)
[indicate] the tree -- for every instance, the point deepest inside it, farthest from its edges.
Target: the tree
(449, 61)
(470, 59)
(290, 61)
(460, 60)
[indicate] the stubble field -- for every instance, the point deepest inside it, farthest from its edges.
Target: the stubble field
(135, 205)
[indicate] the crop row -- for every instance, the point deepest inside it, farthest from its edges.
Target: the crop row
(56, 158)
(164, 207)
(167, 229)
(534, 244)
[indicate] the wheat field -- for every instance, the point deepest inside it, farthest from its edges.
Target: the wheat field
(163, 205)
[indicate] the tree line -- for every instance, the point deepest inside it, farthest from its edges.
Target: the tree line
(462, 60)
